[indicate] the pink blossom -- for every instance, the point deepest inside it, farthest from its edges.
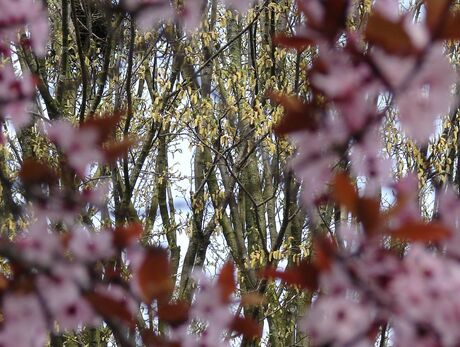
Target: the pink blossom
(388, 8)
(38, 245)
(395, 69)
(80, 145)
(342, 77)
(428, 96)
(17, 14)
(90, 247)
(191, 13)
(338, 321)
(24, 322)
(151, 12)
(314, 10)
(208, 305)
(209, 309)
(367, 161)
(312, 165)
(15, 95)
(426, 294)
(62, 293)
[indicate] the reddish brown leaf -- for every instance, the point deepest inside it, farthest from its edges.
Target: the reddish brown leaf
(35, 172)
(252, 299)
(389, 35)
(111, 272)
(368, 213)
(304, 275)
(450, 29)
(435, 11)
(335, 17)
(123, 236)
(344, 192)
(154, 275)
(324, 250)
(246, 327)
(114, 150)
(174, 313)
(226, 281)
(105, 125)
(298, 43)
(421, 232)
(108, 307)
(334, 21)
(298, 115)
(4, 283)
(443, 23)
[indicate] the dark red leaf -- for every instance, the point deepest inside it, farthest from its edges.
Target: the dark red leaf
(421, 232)
(123, 236)
(252, 299)
(389, 35)
(246, 327)
(226, 281)
(324, 250)
(304, 275)
(154, 275)
(114, 150)
(344, 192)
(35, 172)
(104, 125)
(435, 11)
(368, 213)
(174, 313)
(298, 43)
(335, 17)
(450, 30)
(298, 115)
(108, 307)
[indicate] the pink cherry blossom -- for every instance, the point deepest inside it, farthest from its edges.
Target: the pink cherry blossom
(388, 8)
(17, 14)
(314, 9)
(449, 214)
(80, 145)
(190, 14)
(62, 292)
(209, 309)
(149, 13)
(337, 321)
(38, 244)
(367, 161)
(24, 321)
(15, 95)
(342, 77)
(90, 247)
(428, 96)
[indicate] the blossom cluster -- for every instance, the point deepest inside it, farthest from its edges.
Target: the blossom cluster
(63, 275)
(366, 285)
(353, 72)
(23, 22)
(383, 273)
